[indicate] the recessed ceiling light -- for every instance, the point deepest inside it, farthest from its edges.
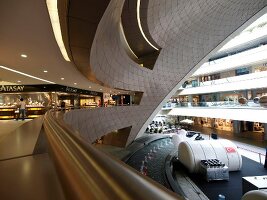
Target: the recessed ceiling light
(75, 83)
(100, 89)
(45, 71)
(54, 17)
(19, 81)
(89, 86)
(23, 55)
(62, 78)
(140, 26)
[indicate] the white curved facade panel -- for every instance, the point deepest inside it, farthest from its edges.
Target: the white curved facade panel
(187, 31)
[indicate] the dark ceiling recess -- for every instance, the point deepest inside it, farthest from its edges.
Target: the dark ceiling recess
(81, 19)
(146, 54)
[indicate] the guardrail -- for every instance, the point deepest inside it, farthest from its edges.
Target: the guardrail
(87, 173)
(260, 155)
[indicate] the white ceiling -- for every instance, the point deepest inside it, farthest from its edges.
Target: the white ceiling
(25, 28)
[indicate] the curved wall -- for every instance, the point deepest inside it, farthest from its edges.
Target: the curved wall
(187, 31)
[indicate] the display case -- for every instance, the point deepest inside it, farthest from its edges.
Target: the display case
(7, 112)
(34, 111)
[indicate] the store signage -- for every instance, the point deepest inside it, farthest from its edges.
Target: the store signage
(70, 89)
(94, 93)
(45, 88)
(11, 88)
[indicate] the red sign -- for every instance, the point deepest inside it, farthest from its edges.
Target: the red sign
(230, 149)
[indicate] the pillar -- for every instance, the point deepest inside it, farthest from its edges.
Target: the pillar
(236, 127)
(265, 131)
(212, 123)
(190, 100)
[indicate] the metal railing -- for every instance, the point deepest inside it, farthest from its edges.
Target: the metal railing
(87, 173)
(214, 104)
(253, 157)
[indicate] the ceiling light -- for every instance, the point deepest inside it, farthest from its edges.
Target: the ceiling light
(23, 55)
(18, 81)
(53, 13)
(89, 86)
(126, 42)
(100, 89)
(62, 78)
(75, 83)
(24, 74)
(45, 71)
(140, 26)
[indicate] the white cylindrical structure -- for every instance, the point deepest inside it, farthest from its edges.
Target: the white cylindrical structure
(255, 195)
(190, 153)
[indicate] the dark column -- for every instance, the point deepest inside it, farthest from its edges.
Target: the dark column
(236, 127)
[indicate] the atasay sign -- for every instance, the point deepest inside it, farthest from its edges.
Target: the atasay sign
(11, 88)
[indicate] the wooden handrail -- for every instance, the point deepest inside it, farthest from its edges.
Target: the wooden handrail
(87, 173)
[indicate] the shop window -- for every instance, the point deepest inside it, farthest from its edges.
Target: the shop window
(261, 68)
(194, 83)
(137, 98)
(242, 71)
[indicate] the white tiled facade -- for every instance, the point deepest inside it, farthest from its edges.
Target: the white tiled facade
(188, 31)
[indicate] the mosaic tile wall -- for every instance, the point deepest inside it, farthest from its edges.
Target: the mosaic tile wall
(188, 31)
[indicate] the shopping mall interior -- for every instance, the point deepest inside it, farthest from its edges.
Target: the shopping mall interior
(131, 99)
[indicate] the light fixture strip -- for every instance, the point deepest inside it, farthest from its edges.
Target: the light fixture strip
(24, 74)
(140, 27)
(53, 13)
(123, 35)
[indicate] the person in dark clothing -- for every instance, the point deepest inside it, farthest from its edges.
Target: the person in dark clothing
(62, 105)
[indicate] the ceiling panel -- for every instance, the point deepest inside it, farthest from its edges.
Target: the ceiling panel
(90, 10)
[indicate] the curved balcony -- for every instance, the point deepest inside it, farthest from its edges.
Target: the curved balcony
(244, 82)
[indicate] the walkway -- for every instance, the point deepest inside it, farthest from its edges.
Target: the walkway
(26, 170)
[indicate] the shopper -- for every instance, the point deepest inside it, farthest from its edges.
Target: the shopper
(22, 107)
(62, 105)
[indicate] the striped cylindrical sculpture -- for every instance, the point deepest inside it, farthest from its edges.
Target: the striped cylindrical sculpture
(190, 153)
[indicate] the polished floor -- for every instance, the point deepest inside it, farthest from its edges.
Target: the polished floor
(7, 126)
(26, 170)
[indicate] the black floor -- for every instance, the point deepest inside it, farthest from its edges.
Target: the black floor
(156, 163)
(231, 189)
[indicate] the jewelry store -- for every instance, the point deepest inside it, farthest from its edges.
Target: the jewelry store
(40, 98)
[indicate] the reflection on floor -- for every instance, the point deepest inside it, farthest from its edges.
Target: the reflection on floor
(7, 126)
(26, 171)
(30, 177)
(21, 141)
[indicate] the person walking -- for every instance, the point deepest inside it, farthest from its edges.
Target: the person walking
(22, 107)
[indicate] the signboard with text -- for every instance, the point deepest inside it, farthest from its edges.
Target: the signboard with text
(46, 88)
